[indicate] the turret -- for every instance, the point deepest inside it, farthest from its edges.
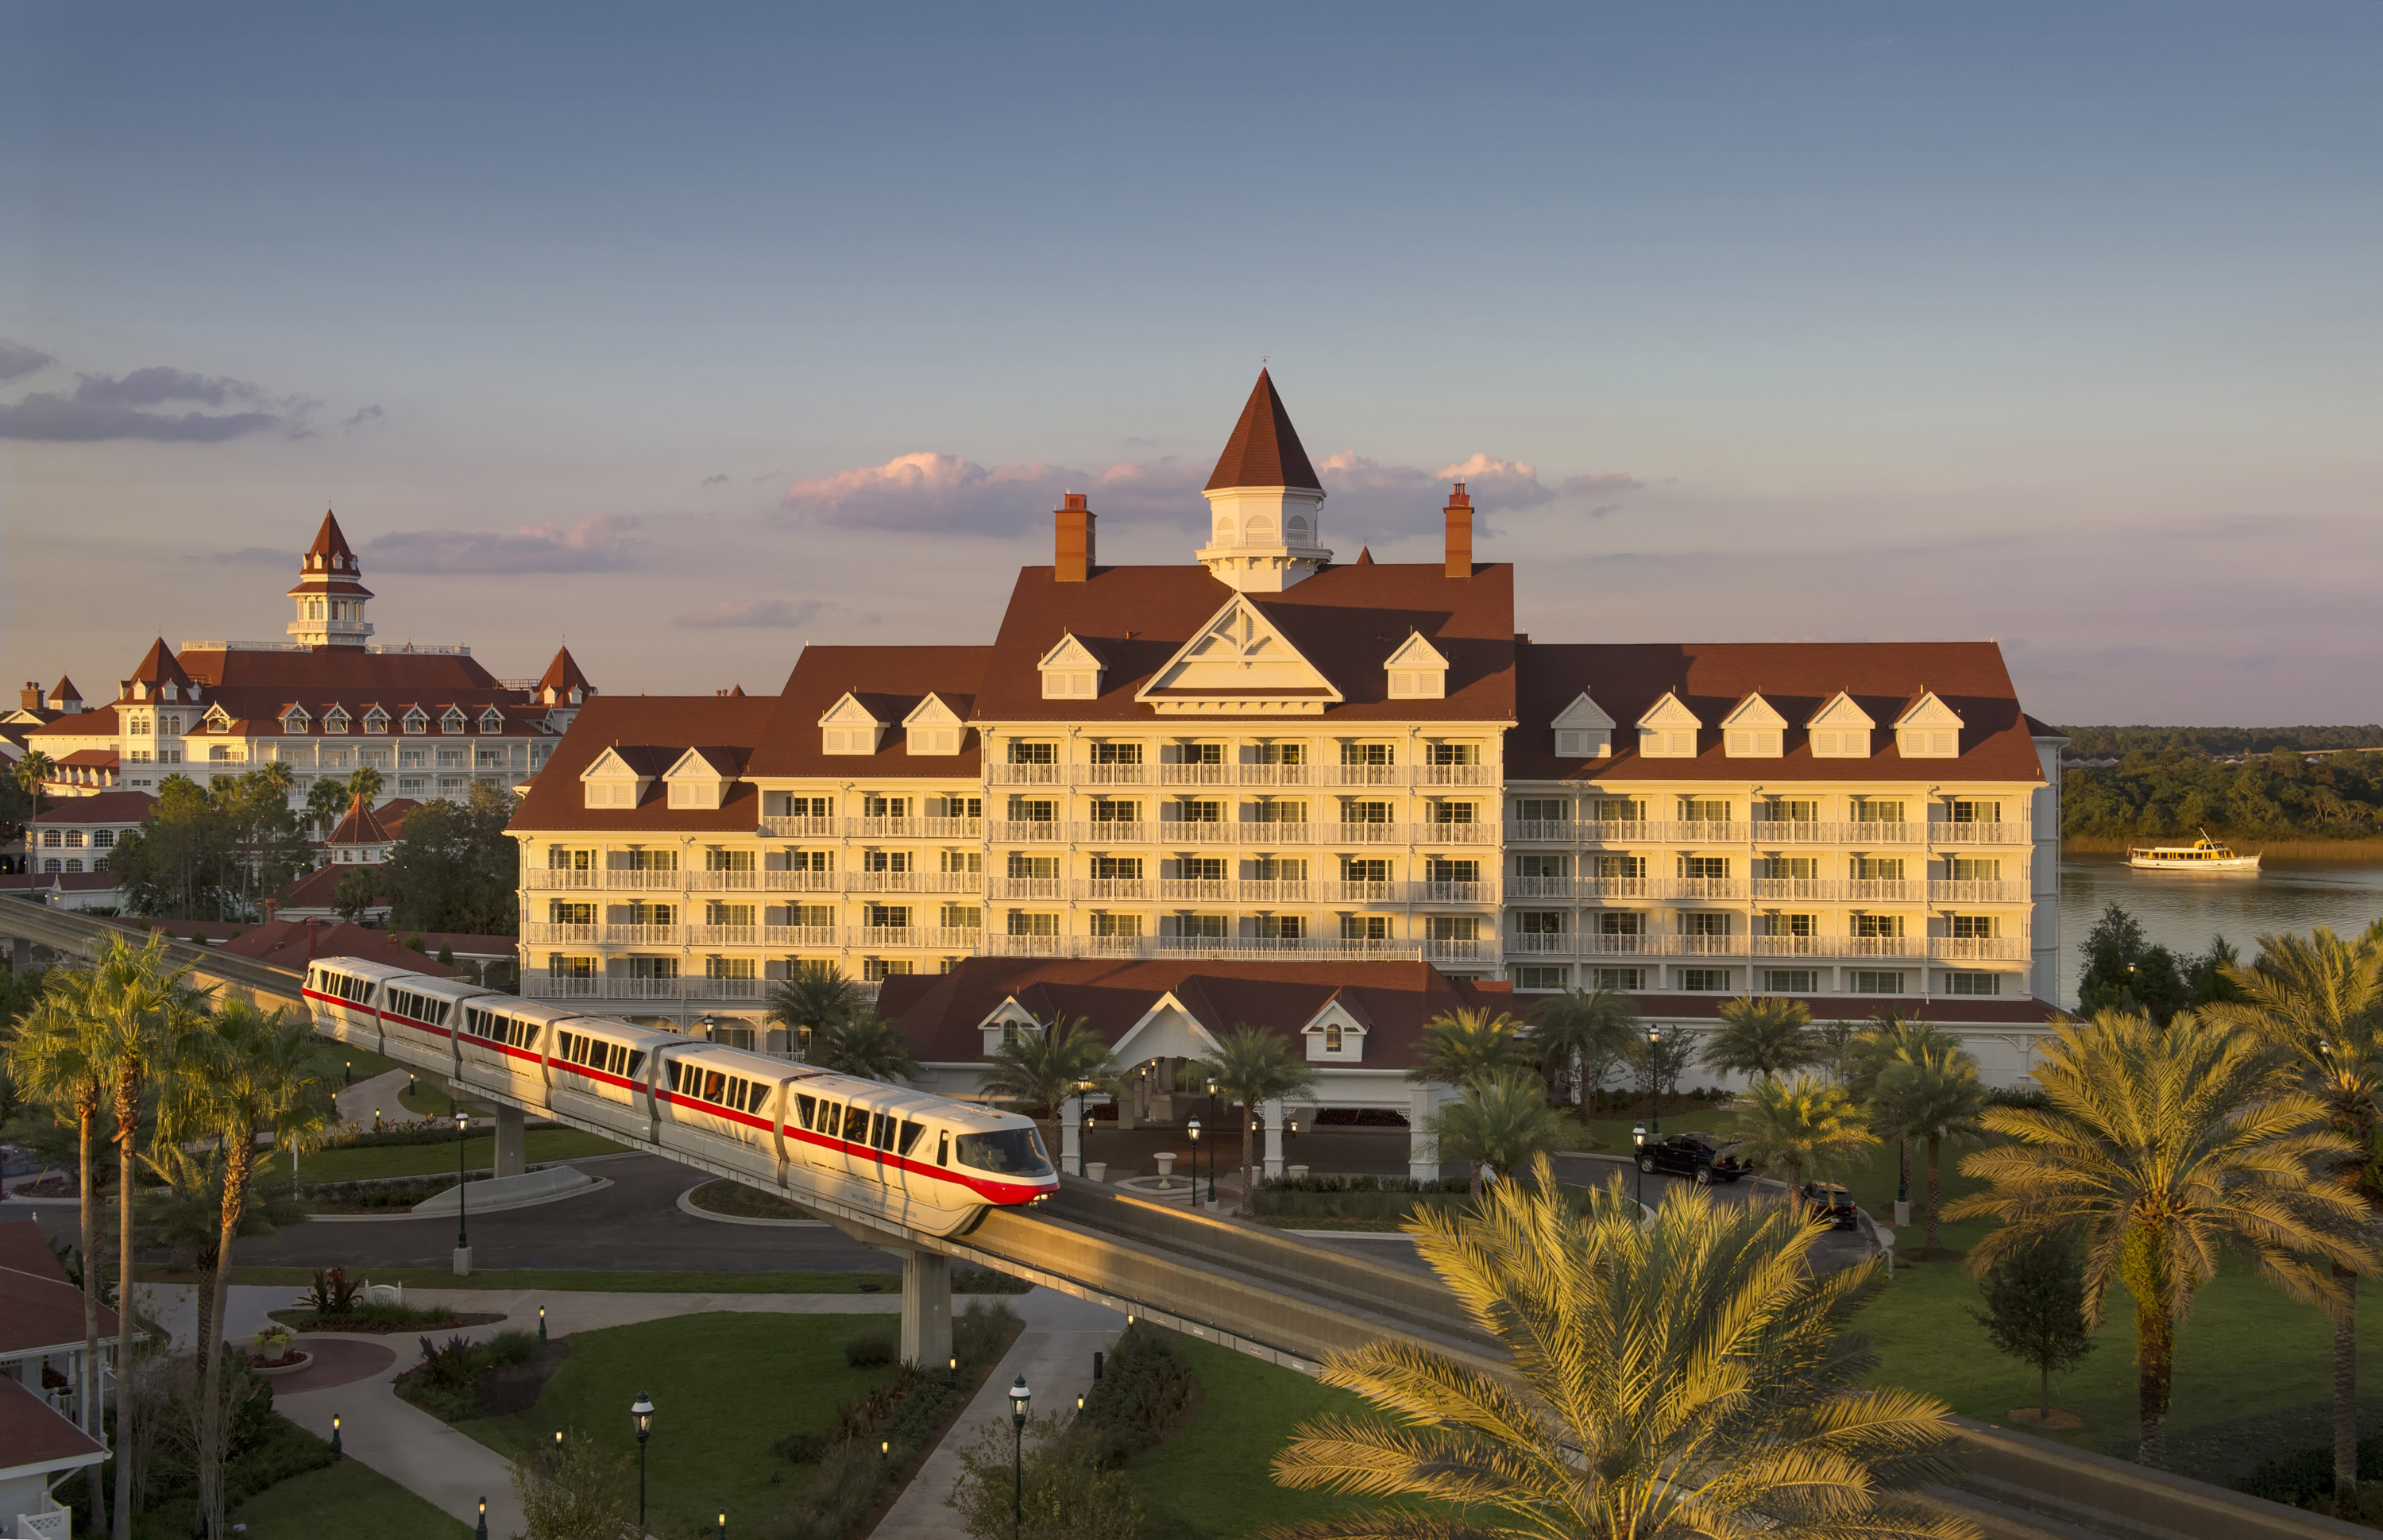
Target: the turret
(331, 595)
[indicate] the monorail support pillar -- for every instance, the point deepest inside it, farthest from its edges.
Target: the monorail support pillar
(926, 1309)
(1071, 1135)
(1422, 1150)
(1272, 1112)
(21, 953)
(512, 1142)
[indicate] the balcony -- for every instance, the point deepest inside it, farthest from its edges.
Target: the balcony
(1604, 890)
(1114, 775)
(1044, 888)
(1197, 889)
(1475, 951)
(1026, 775)
(952, 938)
(1456, 775)
(1357, 892)
(1450, 832)
(644, 879)
(1980, 833)
(560, 879)
(1451, 893)
(1028, 832)
(1361, 834)
(1979, 949)
(725, 989)
(626, 988)
(801, 881)
(723, 935)
(877, 938)
(535, 933)
(1260, 891)
(1360, 775)
(1113, 890)
(1304, 949)
(1838, 890)
(913, 829)
(808, 937)
(913, 882)
(1266, 832)
(1541, 831)
(642, 935)
(782, 828)
(1777, 832)
(1539, 944)
(1977, 892)
(747, 881)
(1694, 888)
(1276, 775)
(1170, 832)
(1538, 887)
(1199, 775)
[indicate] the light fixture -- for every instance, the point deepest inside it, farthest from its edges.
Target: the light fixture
(1020, 1397)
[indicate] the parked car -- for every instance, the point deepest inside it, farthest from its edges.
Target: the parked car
(1701, 1156)
(1827, 1200)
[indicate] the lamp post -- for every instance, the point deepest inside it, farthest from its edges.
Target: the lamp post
(1654, 1108)
(336, 1452)
(1019, 1400)
(348, 1075)
(558, 1441)
(541, 1333)
(1193, 1126)
(641, 1412)
(482, 1533)
(1637, 1170)
(707, 1025)
(463, 1196)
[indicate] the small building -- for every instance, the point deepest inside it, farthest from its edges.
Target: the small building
(76, 833)
(46, 1431)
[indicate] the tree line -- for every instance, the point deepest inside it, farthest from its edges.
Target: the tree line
(2103, 743)
(2278, 794)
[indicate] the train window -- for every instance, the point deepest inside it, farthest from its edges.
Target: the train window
(673, 1069)
(831, 1118)
(910, 1132)
(855, 1125)
(1008, 1151)
(887, 1125)
(636, 1059)
(714, 1084)
(804, 1107)
(760, 1094)
(943, 1146)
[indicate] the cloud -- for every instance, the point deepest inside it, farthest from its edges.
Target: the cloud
(1393, 497)
(595, 545)
(54, 419)
(776, 613)
(265, 556)
(930, 492)
(18, 360)
(363, 416)
(158, 385)
(720, 480)
(1598, 485)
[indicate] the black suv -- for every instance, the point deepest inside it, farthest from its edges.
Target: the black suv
(1696, 1156)
(1827, 1203)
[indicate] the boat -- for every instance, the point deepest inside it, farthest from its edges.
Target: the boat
(2203, 855)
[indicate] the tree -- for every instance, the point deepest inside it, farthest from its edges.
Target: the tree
(1683, 1376)
(1458, 1045)
(1932, 1093)
(1060, 1492)
(1833, 1047)
(867, 1045)
(1804, 1126)
(248, 1076)
(1253, 1067)
(2318, 1003)
(1501, 1121)
(2035, 1309)
(1759, 1036)
(581, 1488)
(1662, 1058)
(2125, 972)
(28, 776)
(813, 998)
(456, 869)
(55, 1057)
(2165, 1147)
(357, 891)
(327, 803)
(1871, 1050)
(18, 800)
(1587, 1032)
(365, 784)
(1039, 1070)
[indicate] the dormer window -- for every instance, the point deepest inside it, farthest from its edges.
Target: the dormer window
(1930, 729)
(416, 720)
(1334, 1037)
(1840, 730)
(294, 720)
(375, 721)
(848, 727)
(1754, 730)
(492, 720)
(932, 728)
(173, 691)
(1668, 731)
(1070, 671)
(1416, 670)
(452, 720)
(334, 720)
(1583, 730)
(696, 782)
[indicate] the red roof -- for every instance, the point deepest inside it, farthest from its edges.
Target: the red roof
(34, 1438)
(890, 682)
(158, 667)
(102, 757)
(1265, 449)
(60, 881)
(562, 677)
(362, 825)
(97, 722)
(1346, 620)
(1798, 679)
(38, 1307)
(104, 807)
(284, 943)
(330, 547)
(329, 567)
(320, 887)
(651, 731)
(65, 690)
(939, 1014)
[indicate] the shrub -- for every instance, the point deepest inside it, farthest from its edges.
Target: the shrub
(870, 1349)
(332, 1294)
(1065, 1493)
(578, 1491)
(800, 1448)
(1143, 1397)
(985, 1280)
(273, 1342)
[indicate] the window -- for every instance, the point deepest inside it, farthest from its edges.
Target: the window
(1542, 978)
(968, 863)
(1617, 865)
(885, 917)
(1366, 753)
(1333, 1034)
(1543, 810)
(219, 753)
(375, 721)
(1278, 869)
(1421, 684)
(1367, 870)
(53, 838)
(1698, 922)
(1452, 754)
(1875, 811)
(101, 838)
(1281, 927)
(807, 808)
(1976, 812)
(728, 967)
(1009, 1153)
(1279, 754)
(451, 721)
(1026, 810)
(1878, 926)
(1539, 865)
(1972, 927)
(52, 865)
(811, 917)
(955, 807)
(1667, 743)
(1867, 982)
(810, 860)
(1022, 923)
(874, 806)
(1199, 754)
(1452, 812)
(1353, 811)
(1961, 871)
(1116, 754)
(1538, 922)
(1201, 927)
(717, 913)
(1438, 869)
(74, 863)
(1787, 869)
(1107, 811)
(1365, 927)
(1878, 868)
(1200, 868)
(1197, 812)
(1778, 809)
(1616, 809)
(1831, 743)
(1973, 984)
(417, 721)
(876, 971)
(1621, 922)
(1617, 977)
(1705, 980)
(1703, 811)
(1753, 743)
(1117, 868)
(1032, 867)
(1929, 743)
(1582, 743)
(1704, 868)
(141, 724)
(885, 860)
(1282, 812)
(1791, 980)
(962, 917)
(1022, 752)
(1451, 928)
(74, 839)
(1801, 925)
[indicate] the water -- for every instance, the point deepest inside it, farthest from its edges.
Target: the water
(2182, 911)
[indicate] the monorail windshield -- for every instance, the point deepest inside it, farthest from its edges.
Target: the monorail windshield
(1010, 1153)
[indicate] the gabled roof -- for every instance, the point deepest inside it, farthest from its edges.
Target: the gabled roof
(1754, 711)
(713, 762)
(646, 761)
(64, 688)
(38, 1307)
(562, 675)
(101, 807)
(1929, 711)
(1071, 651)
(159, 666)
(362, 825)
(1582, 713)
(934, 710)
(330, 547)
(1265, 449)
(1242, 651)
(849, 711)
(891, 683)
(1668, 713)
(648, 732)
(1416, 652)
(1841, 712)
(38, 1441)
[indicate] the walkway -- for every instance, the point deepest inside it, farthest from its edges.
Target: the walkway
(358, 1101)
(1055, 1352)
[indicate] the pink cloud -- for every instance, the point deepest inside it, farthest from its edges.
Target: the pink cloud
(930, 492)
(599, 543)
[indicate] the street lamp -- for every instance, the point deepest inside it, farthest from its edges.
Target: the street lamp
(482, 1533)
(348, 1075)
(1194, 1125)
(1019, 1400)
(1654, 1108)
(541, 1334)
(641, 1411)
(707, 1025)
(462, 1130)
(1637, 1163)
(558, 1441)
(335, 1436)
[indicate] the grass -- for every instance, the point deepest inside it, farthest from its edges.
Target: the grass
(435, 1159)
(724, 1387)
(1211, 1480)
(566, 1280)
(724, 1196)
(352, 1501)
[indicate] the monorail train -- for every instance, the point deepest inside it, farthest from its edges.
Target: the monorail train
(913, 1159)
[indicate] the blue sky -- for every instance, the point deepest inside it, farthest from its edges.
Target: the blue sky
(698, 334)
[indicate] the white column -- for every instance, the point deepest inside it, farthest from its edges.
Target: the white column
(926, 1309)
(1071, 1135)
(1273, 1137)
(1422, 1150)
(512, 1142)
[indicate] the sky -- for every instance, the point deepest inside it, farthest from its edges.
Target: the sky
(692, 334)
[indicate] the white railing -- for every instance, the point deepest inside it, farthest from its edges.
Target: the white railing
(1187, 833)
(1029, 887)
(666, 879)
(49, 1521)
(913, 829)
(801, 881)
(641, 935)
(558, 986)
(999, 945)
(1360, 775)
(746, 880)
(641, 989)
(951, 938)
(1456, 775)
(1797, 946)
(560, 879)
(1111, 831)
(1278, 891)
(781, 827)
(1540, 887)
(1197, 889)
(1114, 775)
(1361, 834)
(1026, 775)
(1436, 831)
(1275, 830)
(546, 933)
(1302, 949)
(1839, 889)
(1795, 831)
(1357, 892)
(1539, 944)
(1277, 775)
(723, 935)
(1980, 833)
(1694, 888)
(723, 988)
(1450, 892)
(1979, 949)
(1028, 832)
(1113, 890)
(913, 882)
(1199, 775)
(1475, 951)
(1977, 891)
(809, 937)
(1886, 946)
(1541, 831)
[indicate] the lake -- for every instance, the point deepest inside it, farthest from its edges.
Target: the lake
(2182, 911)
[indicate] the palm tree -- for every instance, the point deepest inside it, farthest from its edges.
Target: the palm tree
(1039, 1071)
(326, 800)
(365, 784)
(2319, 1004)
(2165, 1147)
(1803, 1126)
(1759, 1036)
(1254, 1068)
(1866, 1058)
(1459, 1045)
(32, 771)
(55, 1059)
(867, 1045)
(813, 998)
(1586, 1032)
(145, 1012)
(249, 1076)
(1682, 1376)
(1930, 1094)
(1501, 1121)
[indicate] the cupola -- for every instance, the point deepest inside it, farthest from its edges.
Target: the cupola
(1265, 502)
(331, 595)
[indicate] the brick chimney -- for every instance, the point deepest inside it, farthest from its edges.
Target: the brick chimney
(314, 934)
(1459, 532)
(29, 697)
(1072, 554)
(271, 907)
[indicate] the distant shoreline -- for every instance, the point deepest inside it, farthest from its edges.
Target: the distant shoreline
(2281, 850)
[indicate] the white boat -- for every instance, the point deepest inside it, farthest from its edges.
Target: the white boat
(2203, 855)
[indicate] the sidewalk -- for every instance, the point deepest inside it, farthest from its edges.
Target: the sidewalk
(1055, 1353)
(358, 1101)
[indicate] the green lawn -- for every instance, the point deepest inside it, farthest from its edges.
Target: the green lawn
(350, 1501)
(724, 1387)
(438, 1158)
(1211, 1480)
(569, 1279)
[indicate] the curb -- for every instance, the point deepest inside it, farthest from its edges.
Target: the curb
(598, 1184)
(686, 1205)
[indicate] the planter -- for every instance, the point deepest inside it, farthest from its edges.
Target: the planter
(290, 1365)
(1097, 1171)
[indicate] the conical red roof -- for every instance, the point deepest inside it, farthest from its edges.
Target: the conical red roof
(562, 675)
(330, 547)
(1265, 450)
(361, 826)
(65, 690)
(160, 666)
